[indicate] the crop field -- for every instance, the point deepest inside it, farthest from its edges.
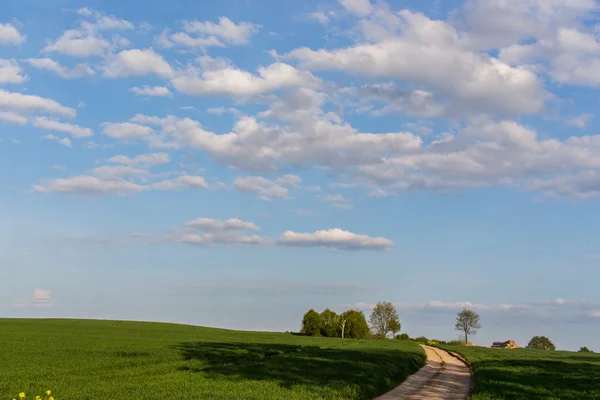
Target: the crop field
(89, 359)
(517, 374)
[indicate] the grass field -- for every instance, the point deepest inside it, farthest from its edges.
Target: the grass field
(518, 374)
(85, 359)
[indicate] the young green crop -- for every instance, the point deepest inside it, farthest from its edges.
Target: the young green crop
(87, 359)
(527, 374)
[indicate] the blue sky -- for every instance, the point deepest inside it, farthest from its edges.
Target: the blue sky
(234, 164)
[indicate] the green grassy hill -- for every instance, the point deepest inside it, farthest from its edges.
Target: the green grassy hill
(87, 359)
(519, 374)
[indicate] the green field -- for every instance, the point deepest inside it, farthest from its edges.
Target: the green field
(86, 359)
(517, 374)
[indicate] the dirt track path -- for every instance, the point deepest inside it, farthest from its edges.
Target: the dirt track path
(444, 377)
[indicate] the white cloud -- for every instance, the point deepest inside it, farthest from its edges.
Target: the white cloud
(225, 29)
(10, 36)
(496, 24)
(11, 72)
(89, 185)
(183, 39)
(320, 16)
(289, 180)
(52, 124)
(263, 187)
(432, 51)
(13, 117)
(231, 81)
(253, 145)
(335, 239)
(584, 185)
(62, 141)
(181, 182)
(77, 43)
(22, 102)
(208, 224)
(152, 91)
(126, 130)
(136, 62)
(15, 141)
(50, 65)
(118, 171)
(148, 160)
(360, 8)
(41, 299)
(212, 239)
(581, 121)
(338, 201)
(102, 21)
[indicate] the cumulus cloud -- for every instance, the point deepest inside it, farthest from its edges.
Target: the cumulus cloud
(52, 124)
(225, 30)
(126, 130)
(181, 182)
(337, 239)
(580, 121)
(289, 180)
(209, 224)
(12, 117)
(432, 51)
(78, 43)
(11, 72)
(62, 141)
(10, 36)
(360, 8)
(47, 64)
(231, 81)
(118, 171)
(147, 160)
(218, 232)
(89, 185)
(137, 62)
(264, 188)
(152, 91)
(18, 102)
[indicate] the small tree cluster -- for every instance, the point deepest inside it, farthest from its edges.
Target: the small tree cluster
(350, 324)
(541, 343)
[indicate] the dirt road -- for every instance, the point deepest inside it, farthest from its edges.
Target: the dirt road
(444, 377)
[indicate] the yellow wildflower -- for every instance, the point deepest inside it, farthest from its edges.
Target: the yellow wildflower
(22, 395)
(51, 398)
(38, 398)
(48, 392)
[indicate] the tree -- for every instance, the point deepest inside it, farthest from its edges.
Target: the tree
(329, 323)
(384, 319)
(311, 323)
(467, 322)
(585, 350)
(403, 336)
(356, 326)
(342, 324)
(541, 343)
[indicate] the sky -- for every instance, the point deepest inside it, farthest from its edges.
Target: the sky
(236, 163)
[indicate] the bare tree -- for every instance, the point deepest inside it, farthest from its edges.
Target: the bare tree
(467, 321)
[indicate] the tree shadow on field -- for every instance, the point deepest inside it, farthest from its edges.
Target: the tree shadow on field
(369, 372)
(537, 379)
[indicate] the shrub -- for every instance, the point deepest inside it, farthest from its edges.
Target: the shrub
(585, 350)
(403, 336)
(421, 339)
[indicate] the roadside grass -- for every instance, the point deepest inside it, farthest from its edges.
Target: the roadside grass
(519, 374)
(93, 359)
